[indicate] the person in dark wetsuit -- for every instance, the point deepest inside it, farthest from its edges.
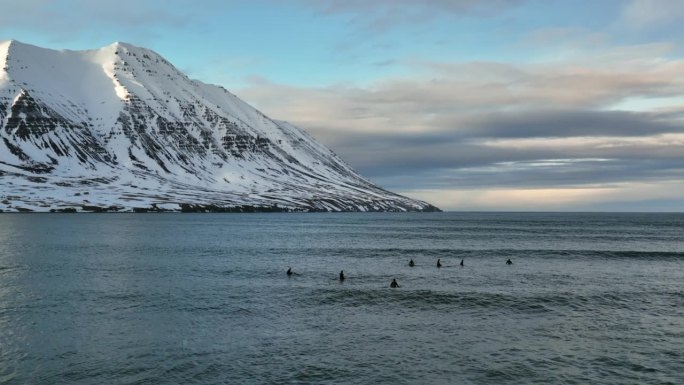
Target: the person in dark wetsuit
(461, 262)
(394, 283)
(289, 271)
(509, 262)
(439, 264)
(341, 275)
(411, 263)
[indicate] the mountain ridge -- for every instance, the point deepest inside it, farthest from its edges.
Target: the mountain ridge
(122, 126)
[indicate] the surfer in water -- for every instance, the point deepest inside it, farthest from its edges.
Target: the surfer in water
(461, 262)
(289, 271)
(341, 275)
(411, 263)
(394, 283)
(439, 263)
(509, 262)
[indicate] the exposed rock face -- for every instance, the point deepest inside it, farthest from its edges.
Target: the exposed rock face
(121, 129)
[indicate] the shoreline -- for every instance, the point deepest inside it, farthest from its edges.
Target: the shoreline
(196, 208)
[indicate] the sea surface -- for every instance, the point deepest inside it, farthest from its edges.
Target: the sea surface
(204, 298)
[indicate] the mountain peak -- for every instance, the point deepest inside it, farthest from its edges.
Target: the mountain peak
(124, 46)
(11, 42)
(17, 46)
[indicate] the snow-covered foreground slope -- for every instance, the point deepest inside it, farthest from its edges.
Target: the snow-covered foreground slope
(120, 129)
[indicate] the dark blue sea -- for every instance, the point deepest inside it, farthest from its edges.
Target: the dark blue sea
(204, 299)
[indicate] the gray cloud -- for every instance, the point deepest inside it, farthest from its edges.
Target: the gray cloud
(555, 174)
(410, 9)
(381, 15)
(652, 13)
(385, 63)
(141, 20)
(450, 6)
(386, 157)
(571, 123)
(489, 99)
(488, 126)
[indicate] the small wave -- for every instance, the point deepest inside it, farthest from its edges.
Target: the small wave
(430, 299)
(405, 253)
(317, 374)
(124, 297)
(649, 255)
(8, 269)
(575, 253)
(424, 299)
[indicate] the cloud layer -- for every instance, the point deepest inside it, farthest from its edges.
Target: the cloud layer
(461, 127)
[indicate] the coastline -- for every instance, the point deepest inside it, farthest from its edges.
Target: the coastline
(199, 208)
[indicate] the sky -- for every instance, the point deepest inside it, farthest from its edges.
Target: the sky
(507, 105)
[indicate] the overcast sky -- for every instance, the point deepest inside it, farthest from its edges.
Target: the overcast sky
(470, 105)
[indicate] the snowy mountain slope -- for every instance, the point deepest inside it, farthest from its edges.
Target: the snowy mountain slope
(119, 128)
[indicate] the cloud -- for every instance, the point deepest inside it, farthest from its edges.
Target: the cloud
(652, 13)
(65, 20)
(514, 163)
(487, 99)
(571, 123)
(664, 196)
(409, 7)
(477, 126)
(381, 15)
(385, 63)
(449, 6)
(575, 38)
(69, 19)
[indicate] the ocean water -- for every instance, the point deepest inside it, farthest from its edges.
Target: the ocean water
(204, 299)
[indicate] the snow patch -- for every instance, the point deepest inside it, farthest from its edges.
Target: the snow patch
(4, 52)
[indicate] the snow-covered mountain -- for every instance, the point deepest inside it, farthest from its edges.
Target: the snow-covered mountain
(121, 129)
